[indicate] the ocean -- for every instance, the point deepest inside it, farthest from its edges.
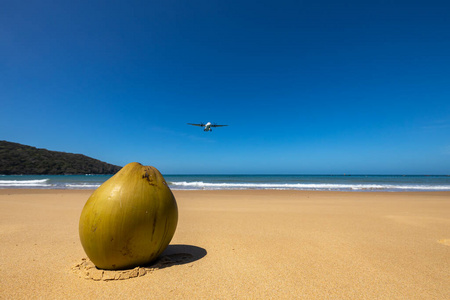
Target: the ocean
(366, 183)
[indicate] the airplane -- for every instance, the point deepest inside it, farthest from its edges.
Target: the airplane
(207, 126)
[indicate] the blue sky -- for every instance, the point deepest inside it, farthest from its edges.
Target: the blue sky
(307, 87)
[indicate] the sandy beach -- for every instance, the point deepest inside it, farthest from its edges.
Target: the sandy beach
(243, 245)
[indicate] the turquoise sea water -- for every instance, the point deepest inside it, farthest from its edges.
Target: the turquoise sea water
(239, 182)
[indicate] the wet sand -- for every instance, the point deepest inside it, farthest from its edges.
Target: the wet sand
(242, 245)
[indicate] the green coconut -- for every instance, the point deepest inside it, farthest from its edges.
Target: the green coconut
(129, 220)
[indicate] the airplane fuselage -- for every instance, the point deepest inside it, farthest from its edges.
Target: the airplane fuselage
(207, 127)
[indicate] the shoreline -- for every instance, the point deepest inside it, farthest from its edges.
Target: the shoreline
(56, 190)
(243, 244)
(249, 182)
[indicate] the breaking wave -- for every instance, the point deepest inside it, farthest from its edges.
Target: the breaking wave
(200, 185)
(25, 183)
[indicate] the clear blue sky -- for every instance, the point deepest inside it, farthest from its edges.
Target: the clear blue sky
(307, 87)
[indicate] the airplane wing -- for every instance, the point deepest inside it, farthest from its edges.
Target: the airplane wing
(218, 125)
(201, 124)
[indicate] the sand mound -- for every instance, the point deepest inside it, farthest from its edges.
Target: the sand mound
(86, 269)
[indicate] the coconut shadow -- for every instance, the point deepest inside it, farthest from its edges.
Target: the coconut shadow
(177, 255)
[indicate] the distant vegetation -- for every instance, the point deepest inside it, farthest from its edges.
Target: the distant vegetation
(20, 159)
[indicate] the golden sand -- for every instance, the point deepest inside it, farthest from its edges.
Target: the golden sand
(241, 245)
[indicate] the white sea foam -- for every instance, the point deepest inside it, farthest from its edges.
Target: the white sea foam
(82, 186)
(24, 183)
(303, 186)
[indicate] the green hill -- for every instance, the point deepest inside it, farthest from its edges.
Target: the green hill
(20, 159)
